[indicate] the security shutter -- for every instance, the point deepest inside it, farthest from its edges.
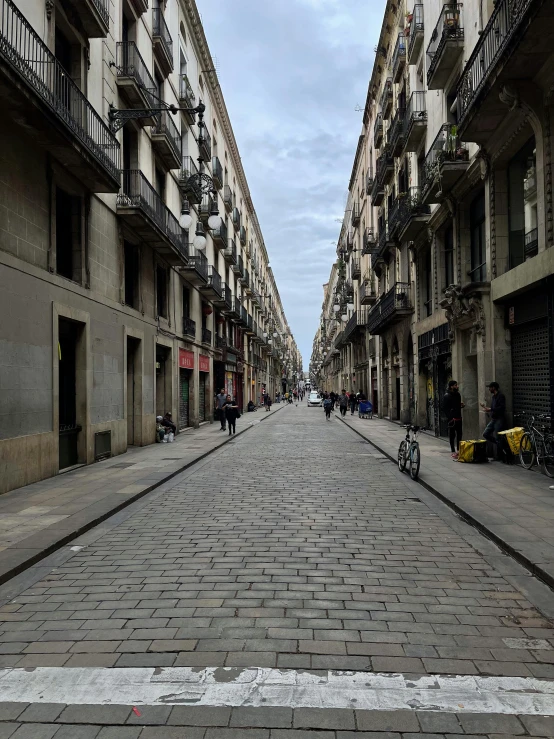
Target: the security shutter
(202, 397)
(530, 368)
(183, 398)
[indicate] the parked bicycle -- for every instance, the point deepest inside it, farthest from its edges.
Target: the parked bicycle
(537, 445)
(408, 451)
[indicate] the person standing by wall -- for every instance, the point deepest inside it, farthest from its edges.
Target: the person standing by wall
(219, 403)
(352, 402)
(497, 409)
(343, 402)
(452, 406)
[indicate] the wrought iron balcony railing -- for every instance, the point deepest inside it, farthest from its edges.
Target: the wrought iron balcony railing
(531, 245)
(236, 218)
(206, 336)
(383, 166)
(368, 180)
(378, 131)
(22, 49)
(386, 98)
(446, 147)
(205, 144)
(130, 64)
(161, 31)
(220, 342)
(189, 327)
(227, 198)
(137, 192)
(217, 173)
(449, 28)
(368, 243)
(198, 262)
(220, 235)
(416, 113)
(214, 280)
(187, 97)
(396, 131)
(396, 302)
(415, 35)
(503, 23)
(355, 215)
(231, 252)
(190, 190)
(166, 126)
(399, 57)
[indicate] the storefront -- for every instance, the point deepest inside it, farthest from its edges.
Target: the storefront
(435, 370)
(203, 388)
(186, 367)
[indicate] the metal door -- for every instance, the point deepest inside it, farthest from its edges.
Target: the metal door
(202, 396)
(184, 384)
(530, 368)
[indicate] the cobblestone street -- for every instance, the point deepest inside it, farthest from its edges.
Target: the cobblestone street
(314, 555)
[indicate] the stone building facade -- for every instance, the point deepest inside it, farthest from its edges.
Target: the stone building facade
(455, 234)
(110, 314)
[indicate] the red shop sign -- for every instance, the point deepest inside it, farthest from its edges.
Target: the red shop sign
(203, 363)
(186, 359)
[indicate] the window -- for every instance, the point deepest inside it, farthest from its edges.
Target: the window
(132, 271)
(449, 256)
(427, 284)
(161, 291)
(186, 302)
(522, 204)
(478, 272)
(68, 235)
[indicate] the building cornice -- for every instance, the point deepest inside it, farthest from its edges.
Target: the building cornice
(359, 150)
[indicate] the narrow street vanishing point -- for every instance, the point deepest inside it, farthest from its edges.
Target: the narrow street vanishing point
(310, 591)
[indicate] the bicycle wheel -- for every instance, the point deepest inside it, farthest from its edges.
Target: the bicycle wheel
(548, 456)
(526, 451)
(402, 455)
(414, 461)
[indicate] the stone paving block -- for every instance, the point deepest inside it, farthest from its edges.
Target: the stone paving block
(35, 731)
(199, 716)
(294, 661)
(237, 734)
(450, 666)
(200, 659)
(402, 721)
(42, 713)
(490, 723)
(9, 711)
(323, 718)
(432, 722)
(251, 659)
(270, 717)
(75, 731)
(397, 664)
(301, 734)
(538, 725)
(8, 729)
(119, 732)
(169, 732)
(92, 660)
(102, 715)
(146, 660)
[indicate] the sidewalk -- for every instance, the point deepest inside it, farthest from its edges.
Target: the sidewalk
(37, 519)
(512, 506)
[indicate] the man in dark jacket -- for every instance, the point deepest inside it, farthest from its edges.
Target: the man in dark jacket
(497, 409)
(452, 406)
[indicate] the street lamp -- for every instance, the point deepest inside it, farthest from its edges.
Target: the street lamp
(199, 240)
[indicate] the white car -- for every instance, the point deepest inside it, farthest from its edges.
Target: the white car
(315, 399)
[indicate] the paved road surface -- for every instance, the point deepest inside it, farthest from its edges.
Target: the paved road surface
(351, 589)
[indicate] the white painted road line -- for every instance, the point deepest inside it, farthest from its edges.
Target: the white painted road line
(259, 687)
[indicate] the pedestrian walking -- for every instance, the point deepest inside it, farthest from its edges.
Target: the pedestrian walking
(267, 402)
(232, 412)
(352, 400)
(220, 401)
(497, 410)
(452, 406)
(328, 407)
(343, 402)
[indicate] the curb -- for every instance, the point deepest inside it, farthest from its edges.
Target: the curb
(533, 568)
(23, 565)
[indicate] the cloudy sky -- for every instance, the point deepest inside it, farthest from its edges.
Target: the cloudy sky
(293, 73)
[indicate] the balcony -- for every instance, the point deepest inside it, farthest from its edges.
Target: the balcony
(378, 131)
(236, 219)
(399, 58)
(413, 215)
(386, 99)
(220, 342)
(242, 235)
(134, 80)
(515, 44)
(377, 192)
(355, 215)
(217, 173)
(139, 6)
(531, 245)
(384, 168)
(140, 206)
(445, 162)
(415, 33)
(205, 209)
(385, 243)
(189, 327)
(220, 236)
(224, 301)
(356, 323)
(368, 180)
(213, 289)
(230, 254)
(415, 121)
(367, 293)
(206, 336)
(189, 189)
(249, 325)
(356, 269)
(196, 270)
(245, 279)
(43, 100)
(227, 198)
(369, 242)
(234, 310)
(205, 145)
(94, 16)
(166, 140)
(162, 42)
(243, 316)
(396, 132)
(239, 268)
(187, 98)
(446, 46)
(390, 308)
